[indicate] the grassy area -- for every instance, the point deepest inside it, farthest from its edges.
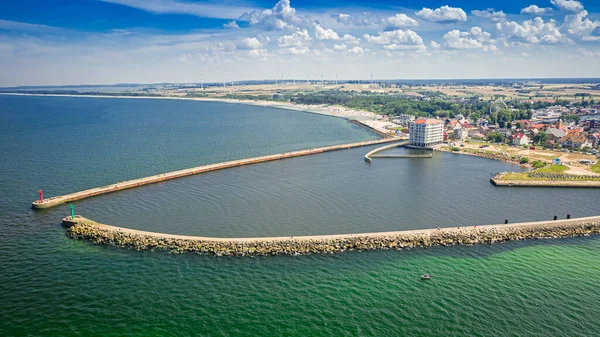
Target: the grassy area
(553, 169)
(596, 168)
(559, 169)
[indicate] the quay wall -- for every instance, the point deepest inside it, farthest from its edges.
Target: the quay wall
(55, 201)
(101, 234)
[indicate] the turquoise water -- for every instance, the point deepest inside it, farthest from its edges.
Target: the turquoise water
(52, 285)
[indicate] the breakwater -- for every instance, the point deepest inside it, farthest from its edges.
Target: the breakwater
(82, 228)
(369, 155)
(545, 183)
(55, 201)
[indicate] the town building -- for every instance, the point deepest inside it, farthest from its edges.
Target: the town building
(403, 119)
(520, 139)
(426, 132)
(574, 140)
(461, 134)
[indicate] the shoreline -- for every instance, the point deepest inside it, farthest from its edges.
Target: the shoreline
(102, 234)
(344, 113)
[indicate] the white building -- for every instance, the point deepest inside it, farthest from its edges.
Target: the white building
(426, 132)
(461, 134)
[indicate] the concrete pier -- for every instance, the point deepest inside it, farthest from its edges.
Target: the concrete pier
(55, 201)
(373, 154)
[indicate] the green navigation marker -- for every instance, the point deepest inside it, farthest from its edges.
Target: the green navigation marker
(72, 211)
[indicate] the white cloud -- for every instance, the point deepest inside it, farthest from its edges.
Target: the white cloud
(231, 24)
(399, 21)
(281, 16)
(349, 39)
(356, 50)
(531, 31)
(490, 14)
(475, 38)
(325, 34)
(249, 43)
(582, 27)
(27, 27)
(397, 40)
(443, 14)
(295, 50)
(435, 45)
(399, 36)
(298, 39)
(340, 47)
(535, 10)
(360, 20)
(220, 10)
(568, 5)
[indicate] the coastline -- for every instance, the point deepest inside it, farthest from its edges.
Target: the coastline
(364, 117)
(102, 234)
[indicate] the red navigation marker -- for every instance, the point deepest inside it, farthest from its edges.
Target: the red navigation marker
(41, 193)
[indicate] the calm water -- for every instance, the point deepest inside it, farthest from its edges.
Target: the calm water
(51, 285)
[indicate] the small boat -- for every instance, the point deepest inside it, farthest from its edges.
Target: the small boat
(425, 277)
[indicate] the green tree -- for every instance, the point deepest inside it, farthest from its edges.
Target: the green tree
(519, 125)
(496, 137)
(540, 138)
(524, 160)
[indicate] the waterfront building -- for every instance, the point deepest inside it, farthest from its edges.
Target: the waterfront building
(426, 132)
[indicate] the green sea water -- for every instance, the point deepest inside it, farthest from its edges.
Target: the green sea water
(51, 285)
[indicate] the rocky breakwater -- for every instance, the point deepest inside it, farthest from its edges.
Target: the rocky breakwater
(85, 229)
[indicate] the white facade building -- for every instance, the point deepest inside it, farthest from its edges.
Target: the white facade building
(426, 132)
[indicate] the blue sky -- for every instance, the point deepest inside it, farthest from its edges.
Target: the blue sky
(112, 41)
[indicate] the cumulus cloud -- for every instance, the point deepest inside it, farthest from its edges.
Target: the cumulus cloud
(444, 14)
(349, 39)
(435, 45)
(490, 14)
(361, 19)
(475, 38)
(325, 34)
(581, 27)
(340, 47)
(531, 31)
(356, 50)
(299, 39)
(249, 43)
(535, 10)
(399, 21)
(281, 16)
(397, 40)
(568, 5)
(295, 50)
(231, 24)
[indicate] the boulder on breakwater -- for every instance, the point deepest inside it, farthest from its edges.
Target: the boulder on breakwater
(263, 247)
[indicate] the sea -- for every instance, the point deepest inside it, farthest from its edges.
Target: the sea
(51, 285)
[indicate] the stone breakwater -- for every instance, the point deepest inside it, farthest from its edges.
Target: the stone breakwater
(500, 180)
(101, 234)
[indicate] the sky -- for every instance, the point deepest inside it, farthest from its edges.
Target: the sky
(67, 42)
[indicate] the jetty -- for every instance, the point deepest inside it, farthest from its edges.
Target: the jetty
(374, 153)
(57, 200)
(79, 227)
